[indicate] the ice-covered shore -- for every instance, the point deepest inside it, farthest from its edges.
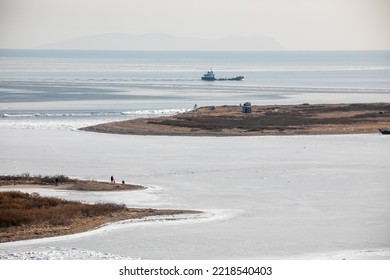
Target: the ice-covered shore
(293, 197)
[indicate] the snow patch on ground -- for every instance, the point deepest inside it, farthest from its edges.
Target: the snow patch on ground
(59, 253)
(369, 254)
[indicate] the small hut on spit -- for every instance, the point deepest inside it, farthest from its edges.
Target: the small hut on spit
(246, 108)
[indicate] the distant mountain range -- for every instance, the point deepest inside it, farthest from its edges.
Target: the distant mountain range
(161, 41)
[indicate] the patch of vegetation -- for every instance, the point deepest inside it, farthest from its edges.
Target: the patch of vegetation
(65, 183)
(26, 178)
(23, 209)
(286, 117)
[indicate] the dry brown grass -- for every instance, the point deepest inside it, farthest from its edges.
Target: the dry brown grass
(264, 120)
(23, 209)
(26, 178)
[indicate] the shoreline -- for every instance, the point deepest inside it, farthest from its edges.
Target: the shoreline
(63, 183)
(304, 119)
(15, 228)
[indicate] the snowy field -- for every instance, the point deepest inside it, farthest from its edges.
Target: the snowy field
(296, 197)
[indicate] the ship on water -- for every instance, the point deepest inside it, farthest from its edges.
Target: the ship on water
(210, 76)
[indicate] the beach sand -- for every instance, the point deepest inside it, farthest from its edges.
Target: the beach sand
(302, 119)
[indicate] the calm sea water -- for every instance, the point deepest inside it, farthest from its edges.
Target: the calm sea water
(102, 85)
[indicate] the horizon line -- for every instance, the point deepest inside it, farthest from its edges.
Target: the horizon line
(181, 50)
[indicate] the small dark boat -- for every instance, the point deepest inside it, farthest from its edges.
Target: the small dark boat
(210, 76)
(384, 131)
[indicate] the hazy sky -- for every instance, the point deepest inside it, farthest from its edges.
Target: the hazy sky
(296, 24)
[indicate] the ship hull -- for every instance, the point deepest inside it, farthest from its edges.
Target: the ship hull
(208, 78)
(239, 78)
